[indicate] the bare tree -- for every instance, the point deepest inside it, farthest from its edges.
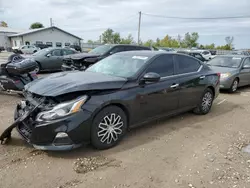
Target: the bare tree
(229, 41)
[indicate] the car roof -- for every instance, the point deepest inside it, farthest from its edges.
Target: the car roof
(147, 53)
(127, 45)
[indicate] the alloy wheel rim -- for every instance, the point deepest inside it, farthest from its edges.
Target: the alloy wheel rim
(235, 85)
(110, 128)
(207, 101)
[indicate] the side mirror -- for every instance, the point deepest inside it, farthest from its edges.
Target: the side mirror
(151, 77)
(48, 55)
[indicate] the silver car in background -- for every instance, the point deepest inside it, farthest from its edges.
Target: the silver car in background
(234, 70)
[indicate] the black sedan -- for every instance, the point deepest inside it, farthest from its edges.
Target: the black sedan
(119, 92)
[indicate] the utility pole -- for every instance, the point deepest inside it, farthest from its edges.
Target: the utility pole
(139, 28)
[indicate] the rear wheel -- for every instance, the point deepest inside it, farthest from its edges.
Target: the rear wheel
(205, 102)
(234, 86)
(108, 128)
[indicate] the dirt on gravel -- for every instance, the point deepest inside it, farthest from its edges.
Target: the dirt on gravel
(186, 151)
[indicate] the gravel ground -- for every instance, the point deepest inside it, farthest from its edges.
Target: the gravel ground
(186, 151)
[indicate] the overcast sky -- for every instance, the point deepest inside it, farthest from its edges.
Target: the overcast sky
(88, 19)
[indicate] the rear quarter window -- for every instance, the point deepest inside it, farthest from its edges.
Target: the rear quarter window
(186, 64)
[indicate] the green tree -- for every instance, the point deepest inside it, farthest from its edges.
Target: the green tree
(128, 40)
(149, 43)
(116, 38)
(3, 24)
(110, 37)
(191, 39)
(168, 41)
(36, 25)
(158, 42)
(225, 47)
(90, 41)
(210, 46)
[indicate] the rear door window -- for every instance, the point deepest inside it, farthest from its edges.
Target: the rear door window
(186, 64)
(162, 65)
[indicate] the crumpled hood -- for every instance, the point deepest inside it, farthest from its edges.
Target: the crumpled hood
(67, 82)
(80, 56)
(223, 69)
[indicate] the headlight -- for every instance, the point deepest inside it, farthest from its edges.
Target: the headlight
(62, 110)
(225, 75)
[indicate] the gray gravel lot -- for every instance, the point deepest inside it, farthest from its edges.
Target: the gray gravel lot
(186, 151)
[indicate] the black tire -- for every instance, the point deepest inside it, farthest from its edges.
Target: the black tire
(101, 138)
(234, 86)
(35, 51)
(205, 103)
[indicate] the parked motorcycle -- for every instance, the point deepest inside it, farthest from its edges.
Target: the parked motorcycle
(16, 73)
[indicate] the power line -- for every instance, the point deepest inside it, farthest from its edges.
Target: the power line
(197, 18)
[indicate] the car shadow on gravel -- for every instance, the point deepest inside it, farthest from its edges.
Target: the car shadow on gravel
(149, 132)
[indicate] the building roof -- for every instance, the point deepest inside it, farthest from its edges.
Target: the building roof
(10, 30)
(41, 29)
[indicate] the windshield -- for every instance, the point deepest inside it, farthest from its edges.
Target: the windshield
(101, 49)
(41, 52)
(120, 65)
(231, 62)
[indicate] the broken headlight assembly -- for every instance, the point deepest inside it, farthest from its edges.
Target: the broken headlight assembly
(62, 109)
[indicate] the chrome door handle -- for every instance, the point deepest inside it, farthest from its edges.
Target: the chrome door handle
(174, 86)
(202, 77)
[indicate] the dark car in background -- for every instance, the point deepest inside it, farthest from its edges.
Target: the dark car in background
(41, 46)
(194, 54)
(1, 48)
(119, 92)
(51, 59)
(84, 60)
(76, 47)
(234, 69)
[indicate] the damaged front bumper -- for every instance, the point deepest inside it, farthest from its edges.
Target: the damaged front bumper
(65, 133)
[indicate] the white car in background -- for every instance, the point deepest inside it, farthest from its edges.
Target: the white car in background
(26, 49)
(206, 54)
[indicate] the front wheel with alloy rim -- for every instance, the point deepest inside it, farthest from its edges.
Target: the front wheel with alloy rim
(108, 128)
(205, 103)
(234, 86)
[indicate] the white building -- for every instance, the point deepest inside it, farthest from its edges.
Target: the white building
(52, 36)
(4, 33)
